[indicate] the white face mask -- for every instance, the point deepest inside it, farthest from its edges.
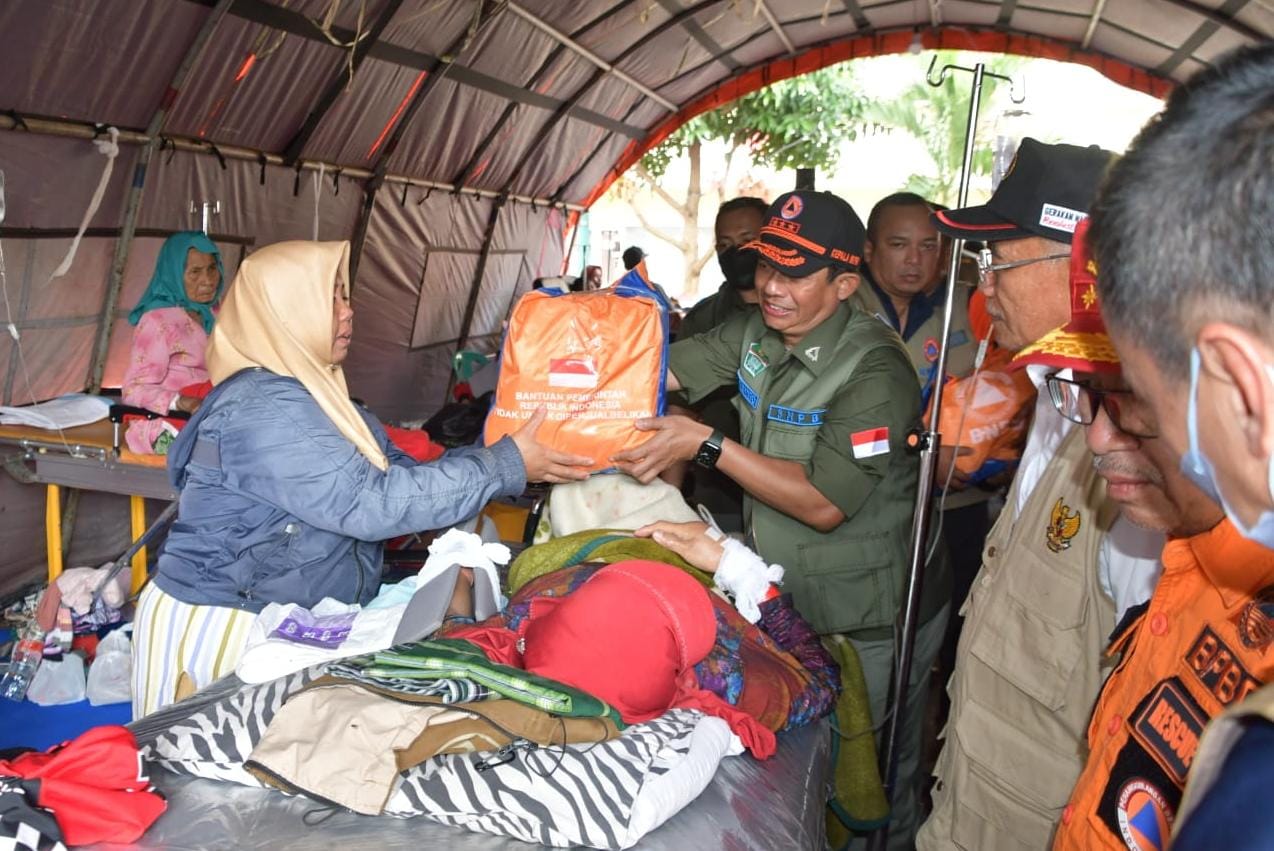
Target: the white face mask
(1196, 466)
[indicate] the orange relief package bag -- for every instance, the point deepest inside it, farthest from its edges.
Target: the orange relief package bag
(995, 408)
(595, 361)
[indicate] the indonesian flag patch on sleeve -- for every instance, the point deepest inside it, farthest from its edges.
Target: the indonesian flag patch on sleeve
(870, 442)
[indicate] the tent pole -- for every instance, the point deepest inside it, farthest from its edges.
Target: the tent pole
(550, 61)
(565, 109)
(1098, 8)
(566, 258)
(83, 130)
(435, 74)
(475, 288)
(335, 87)
(106, 318)
(570, 43)
(776, 27)
(927, 442)
(106, 321)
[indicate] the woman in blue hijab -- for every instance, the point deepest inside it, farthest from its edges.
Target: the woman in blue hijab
(173, 319)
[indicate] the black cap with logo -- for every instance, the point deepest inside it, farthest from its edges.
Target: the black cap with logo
(1046, 192)
(806, 231)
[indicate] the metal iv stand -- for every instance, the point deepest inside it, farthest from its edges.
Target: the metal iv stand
(205, 211)
(927, 442)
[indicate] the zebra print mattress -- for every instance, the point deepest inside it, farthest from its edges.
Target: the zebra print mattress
(599, 796)
(747, 806)
(605, 795)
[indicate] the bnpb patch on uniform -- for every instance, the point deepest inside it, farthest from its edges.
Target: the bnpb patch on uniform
(931, 349)
(1219, 669)
(1145, 819)
(1169, 725)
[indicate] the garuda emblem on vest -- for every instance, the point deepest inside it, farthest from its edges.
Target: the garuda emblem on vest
(1062, 526)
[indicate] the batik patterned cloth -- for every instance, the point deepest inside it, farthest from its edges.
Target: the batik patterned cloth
(779, 674)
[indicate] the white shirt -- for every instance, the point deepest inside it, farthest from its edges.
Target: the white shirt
(1128, 563)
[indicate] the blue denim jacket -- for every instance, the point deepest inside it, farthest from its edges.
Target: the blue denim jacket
(277, 506)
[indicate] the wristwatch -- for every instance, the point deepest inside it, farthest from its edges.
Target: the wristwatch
(710, 450)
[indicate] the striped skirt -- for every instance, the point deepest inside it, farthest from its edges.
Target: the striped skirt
(179, 648)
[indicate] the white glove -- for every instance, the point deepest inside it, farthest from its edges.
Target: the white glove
(746, 577)
(467, 550)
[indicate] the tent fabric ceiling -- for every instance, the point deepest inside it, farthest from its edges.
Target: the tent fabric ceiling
(269, 70)
(310, 118)
(442, 137)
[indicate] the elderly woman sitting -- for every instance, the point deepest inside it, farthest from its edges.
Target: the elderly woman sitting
(173, 318)
(288, 488)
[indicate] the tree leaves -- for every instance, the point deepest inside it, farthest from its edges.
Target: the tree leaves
(937, 117)
(794, 123)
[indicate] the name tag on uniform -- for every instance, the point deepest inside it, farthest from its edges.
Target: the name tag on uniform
(795, 416)
(754, 363)
(750, 396)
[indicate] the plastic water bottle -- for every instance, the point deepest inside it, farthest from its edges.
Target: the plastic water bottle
(27, 654)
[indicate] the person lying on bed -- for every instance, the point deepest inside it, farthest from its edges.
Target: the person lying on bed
(173, 318)
(763, 661)
(286, 487)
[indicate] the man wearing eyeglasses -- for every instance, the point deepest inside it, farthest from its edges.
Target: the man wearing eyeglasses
(1195, 648)
(826, 396)
(1059, 564)
(1182, 230)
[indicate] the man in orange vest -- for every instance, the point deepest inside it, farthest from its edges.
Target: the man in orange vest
(1201, 643)
(1182, 230)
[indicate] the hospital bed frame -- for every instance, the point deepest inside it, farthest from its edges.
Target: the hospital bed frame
(87, 457)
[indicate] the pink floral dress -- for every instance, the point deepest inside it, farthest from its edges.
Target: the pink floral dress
(168, 354)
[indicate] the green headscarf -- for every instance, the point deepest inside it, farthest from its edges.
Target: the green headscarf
(167, 286)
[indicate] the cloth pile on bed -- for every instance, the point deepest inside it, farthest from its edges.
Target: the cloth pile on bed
(602, 795)
(437, 729)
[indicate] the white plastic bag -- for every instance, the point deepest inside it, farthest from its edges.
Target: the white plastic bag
(58, 681)
(110, 677)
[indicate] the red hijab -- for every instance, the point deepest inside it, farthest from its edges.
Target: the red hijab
(631, 636)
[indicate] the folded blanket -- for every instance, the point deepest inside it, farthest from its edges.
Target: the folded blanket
(448, 691)
(444, 658)
(614, 501)
(601, 546)
(216, 740)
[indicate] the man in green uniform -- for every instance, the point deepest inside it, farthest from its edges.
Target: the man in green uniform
(826, 395)
(738, 222)
(902, 253)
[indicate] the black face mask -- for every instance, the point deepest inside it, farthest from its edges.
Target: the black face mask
(739, 267)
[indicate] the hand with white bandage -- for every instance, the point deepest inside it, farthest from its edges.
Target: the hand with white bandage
(739, 572)
(698, 543)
